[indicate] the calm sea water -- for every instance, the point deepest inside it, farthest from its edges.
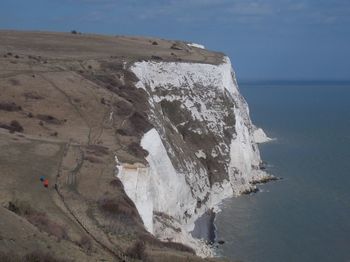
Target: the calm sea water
(306, 216)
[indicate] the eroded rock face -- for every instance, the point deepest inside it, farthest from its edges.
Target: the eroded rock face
(201, 149)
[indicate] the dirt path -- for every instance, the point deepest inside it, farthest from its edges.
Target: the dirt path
(77, 108)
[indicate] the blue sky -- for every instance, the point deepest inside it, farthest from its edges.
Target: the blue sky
(265, 39)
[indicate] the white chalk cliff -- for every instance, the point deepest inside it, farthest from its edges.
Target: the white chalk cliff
(202, 149)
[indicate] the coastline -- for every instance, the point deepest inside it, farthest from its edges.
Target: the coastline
(234, 163)
(205, 227)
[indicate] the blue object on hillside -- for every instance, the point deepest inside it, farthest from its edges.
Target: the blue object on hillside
(42, 178)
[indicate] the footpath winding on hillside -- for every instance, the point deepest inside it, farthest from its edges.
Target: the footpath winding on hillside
(68, 103)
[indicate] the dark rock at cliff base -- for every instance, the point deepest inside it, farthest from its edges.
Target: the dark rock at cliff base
(263, 165)
(250, 191)
(265, 180)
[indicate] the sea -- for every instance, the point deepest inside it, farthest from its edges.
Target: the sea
(305, 217)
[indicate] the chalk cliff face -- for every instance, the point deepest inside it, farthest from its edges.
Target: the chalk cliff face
(164, 116)
(202, 148)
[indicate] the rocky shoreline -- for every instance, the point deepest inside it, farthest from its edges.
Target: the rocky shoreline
(204, 226)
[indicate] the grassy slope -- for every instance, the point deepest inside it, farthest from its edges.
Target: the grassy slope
(78, 108)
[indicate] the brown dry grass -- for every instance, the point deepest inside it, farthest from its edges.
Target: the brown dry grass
(151, 240)
(93, 159)
(14, 126)
(10, 107)
(97, 150)
(49, 119)
(38, 219)
(35, 256)
(52, 83)
(85, 242)
(116, 183)
(138, 251)
(121, 207)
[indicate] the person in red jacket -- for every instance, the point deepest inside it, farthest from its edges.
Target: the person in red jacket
(46, 183)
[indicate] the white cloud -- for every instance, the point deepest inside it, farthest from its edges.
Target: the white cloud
(251, 9)
(221, 11)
